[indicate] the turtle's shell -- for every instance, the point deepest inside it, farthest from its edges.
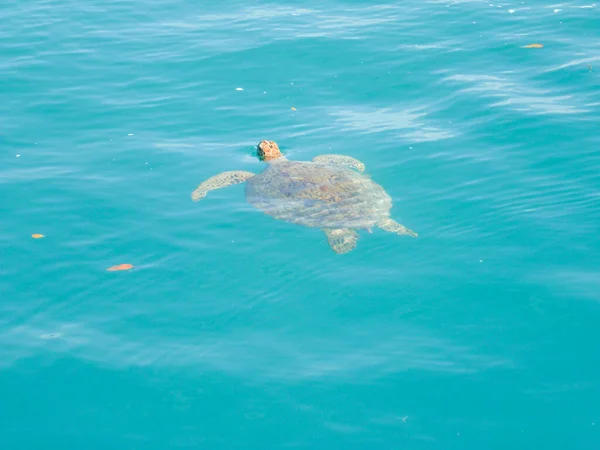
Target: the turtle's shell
(318, 195)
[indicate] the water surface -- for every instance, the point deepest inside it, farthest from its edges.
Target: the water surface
(234, 330)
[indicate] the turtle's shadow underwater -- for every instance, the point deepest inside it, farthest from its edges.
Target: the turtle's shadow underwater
(330, 192)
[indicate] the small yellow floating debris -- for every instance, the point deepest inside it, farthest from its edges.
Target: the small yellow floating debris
(120, 267)
(533, 46)
(37, 236)
(293, 109)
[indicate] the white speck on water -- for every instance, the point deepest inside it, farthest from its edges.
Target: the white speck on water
(588, 6)
(17, 155)
(405, 418)
(50, 335)
(292, 84)
(130, 134)
(557, 10)
(481, 260)
(239, 89)
(474, 22)
(511, 11)
(146, 163)
(410, 148)
(265, 92)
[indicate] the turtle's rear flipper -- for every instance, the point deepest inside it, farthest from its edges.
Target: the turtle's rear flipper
(394, 227)
(341, 240)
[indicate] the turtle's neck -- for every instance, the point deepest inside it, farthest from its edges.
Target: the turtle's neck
(277, 160)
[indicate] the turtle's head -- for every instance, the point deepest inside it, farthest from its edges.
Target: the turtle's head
(268, 150)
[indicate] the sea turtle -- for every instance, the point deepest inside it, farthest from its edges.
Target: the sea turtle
(330, 193)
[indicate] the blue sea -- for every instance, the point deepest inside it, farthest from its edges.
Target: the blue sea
(234, 330)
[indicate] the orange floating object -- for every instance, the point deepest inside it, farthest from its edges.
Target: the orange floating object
(533, 46)
(37, 236)
(120, 267)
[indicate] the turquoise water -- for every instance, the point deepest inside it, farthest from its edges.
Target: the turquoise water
(237, 331)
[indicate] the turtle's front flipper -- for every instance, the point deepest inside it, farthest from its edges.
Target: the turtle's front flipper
(221, 180)
(394, 227)
(341, 240)
(340, 160)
